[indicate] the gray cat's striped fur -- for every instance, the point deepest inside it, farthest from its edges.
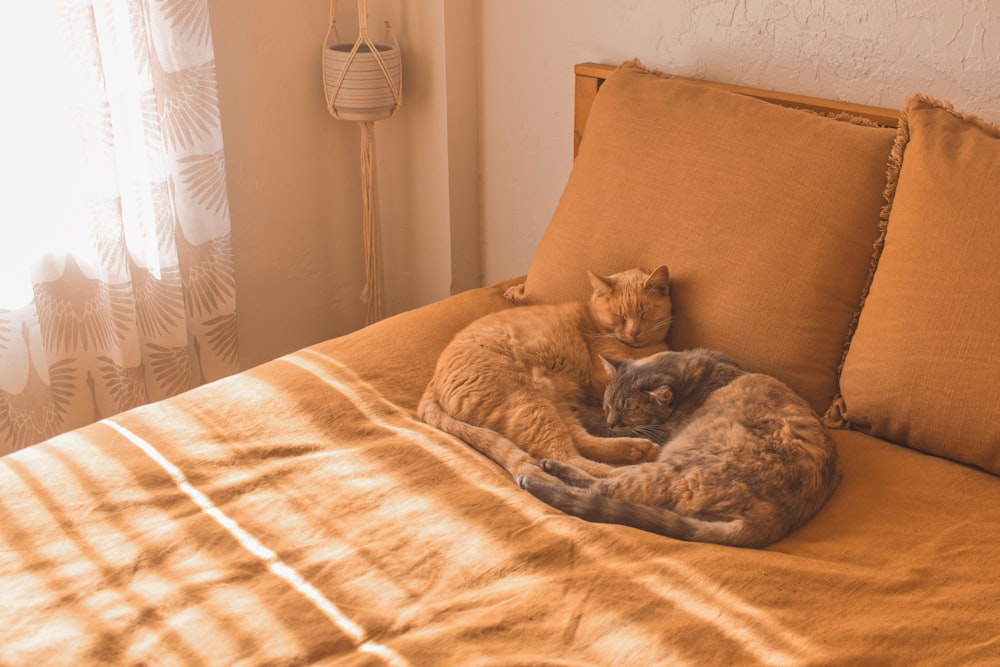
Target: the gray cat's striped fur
(744, 462)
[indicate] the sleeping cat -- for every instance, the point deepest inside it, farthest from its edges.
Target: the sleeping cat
(745, 460)
(515, 384)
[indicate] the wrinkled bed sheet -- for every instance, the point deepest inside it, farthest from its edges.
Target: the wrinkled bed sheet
(298, 513)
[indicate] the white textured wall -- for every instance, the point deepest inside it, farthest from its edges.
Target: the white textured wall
(870, 51)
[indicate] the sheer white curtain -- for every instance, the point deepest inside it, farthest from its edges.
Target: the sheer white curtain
(116, 272)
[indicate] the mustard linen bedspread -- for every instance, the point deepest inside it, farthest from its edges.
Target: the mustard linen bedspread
(299, 513)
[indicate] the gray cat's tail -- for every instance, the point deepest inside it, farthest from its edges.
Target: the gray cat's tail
(602, 509)
(514, 460)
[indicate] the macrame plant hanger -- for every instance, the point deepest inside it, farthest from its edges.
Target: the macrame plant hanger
(363, 82)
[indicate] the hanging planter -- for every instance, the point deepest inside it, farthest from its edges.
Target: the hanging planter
(363, 82)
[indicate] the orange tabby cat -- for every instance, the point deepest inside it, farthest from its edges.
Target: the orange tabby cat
(745, 460)
(512, 384)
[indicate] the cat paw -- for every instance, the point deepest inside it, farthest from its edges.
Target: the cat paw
(552, 466)
(643, 450)
(532, 478)
(515, 294)
(566, 473)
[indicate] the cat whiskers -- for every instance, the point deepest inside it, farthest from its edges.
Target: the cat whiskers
(663, 323)
(651, 432)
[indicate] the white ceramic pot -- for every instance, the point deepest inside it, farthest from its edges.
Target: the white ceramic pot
(364, 92)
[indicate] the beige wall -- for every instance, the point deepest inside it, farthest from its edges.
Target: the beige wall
(429, 156)
(293, 170)
(473, 164)
(291, 178)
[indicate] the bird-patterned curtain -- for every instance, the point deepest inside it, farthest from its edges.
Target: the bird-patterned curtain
(134, 300)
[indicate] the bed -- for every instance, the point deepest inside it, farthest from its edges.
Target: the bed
(299, 513)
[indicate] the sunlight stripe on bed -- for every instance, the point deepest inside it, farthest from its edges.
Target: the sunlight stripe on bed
(255, 547)
(378, 410)
(766, 639)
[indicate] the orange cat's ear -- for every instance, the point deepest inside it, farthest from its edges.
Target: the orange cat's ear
(662, 395)
(610, 365)
(659, 280)
(600, 285)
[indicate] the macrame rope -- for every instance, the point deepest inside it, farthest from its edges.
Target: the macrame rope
(372, 292)
(332, 30)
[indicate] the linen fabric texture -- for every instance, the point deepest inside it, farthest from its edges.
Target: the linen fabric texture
(664, 169)
(922, 367)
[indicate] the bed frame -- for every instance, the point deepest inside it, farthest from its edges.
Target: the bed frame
(590, 76)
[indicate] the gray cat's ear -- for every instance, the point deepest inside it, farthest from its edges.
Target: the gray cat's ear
(600, 285)
(662, 395)
(659, 280)
(611, 365)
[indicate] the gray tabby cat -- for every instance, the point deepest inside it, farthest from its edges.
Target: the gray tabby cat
(745, 460)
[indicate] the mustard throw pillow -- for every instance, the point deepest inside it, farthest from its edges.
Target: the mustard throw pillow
(766, 217)
(923, 368)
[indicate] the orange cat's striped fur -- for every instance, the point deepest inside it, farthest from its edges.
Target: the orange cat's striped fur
(512, 384)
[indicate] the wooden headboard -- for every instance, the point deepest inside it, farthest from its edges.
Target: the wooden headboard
(590, 76)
